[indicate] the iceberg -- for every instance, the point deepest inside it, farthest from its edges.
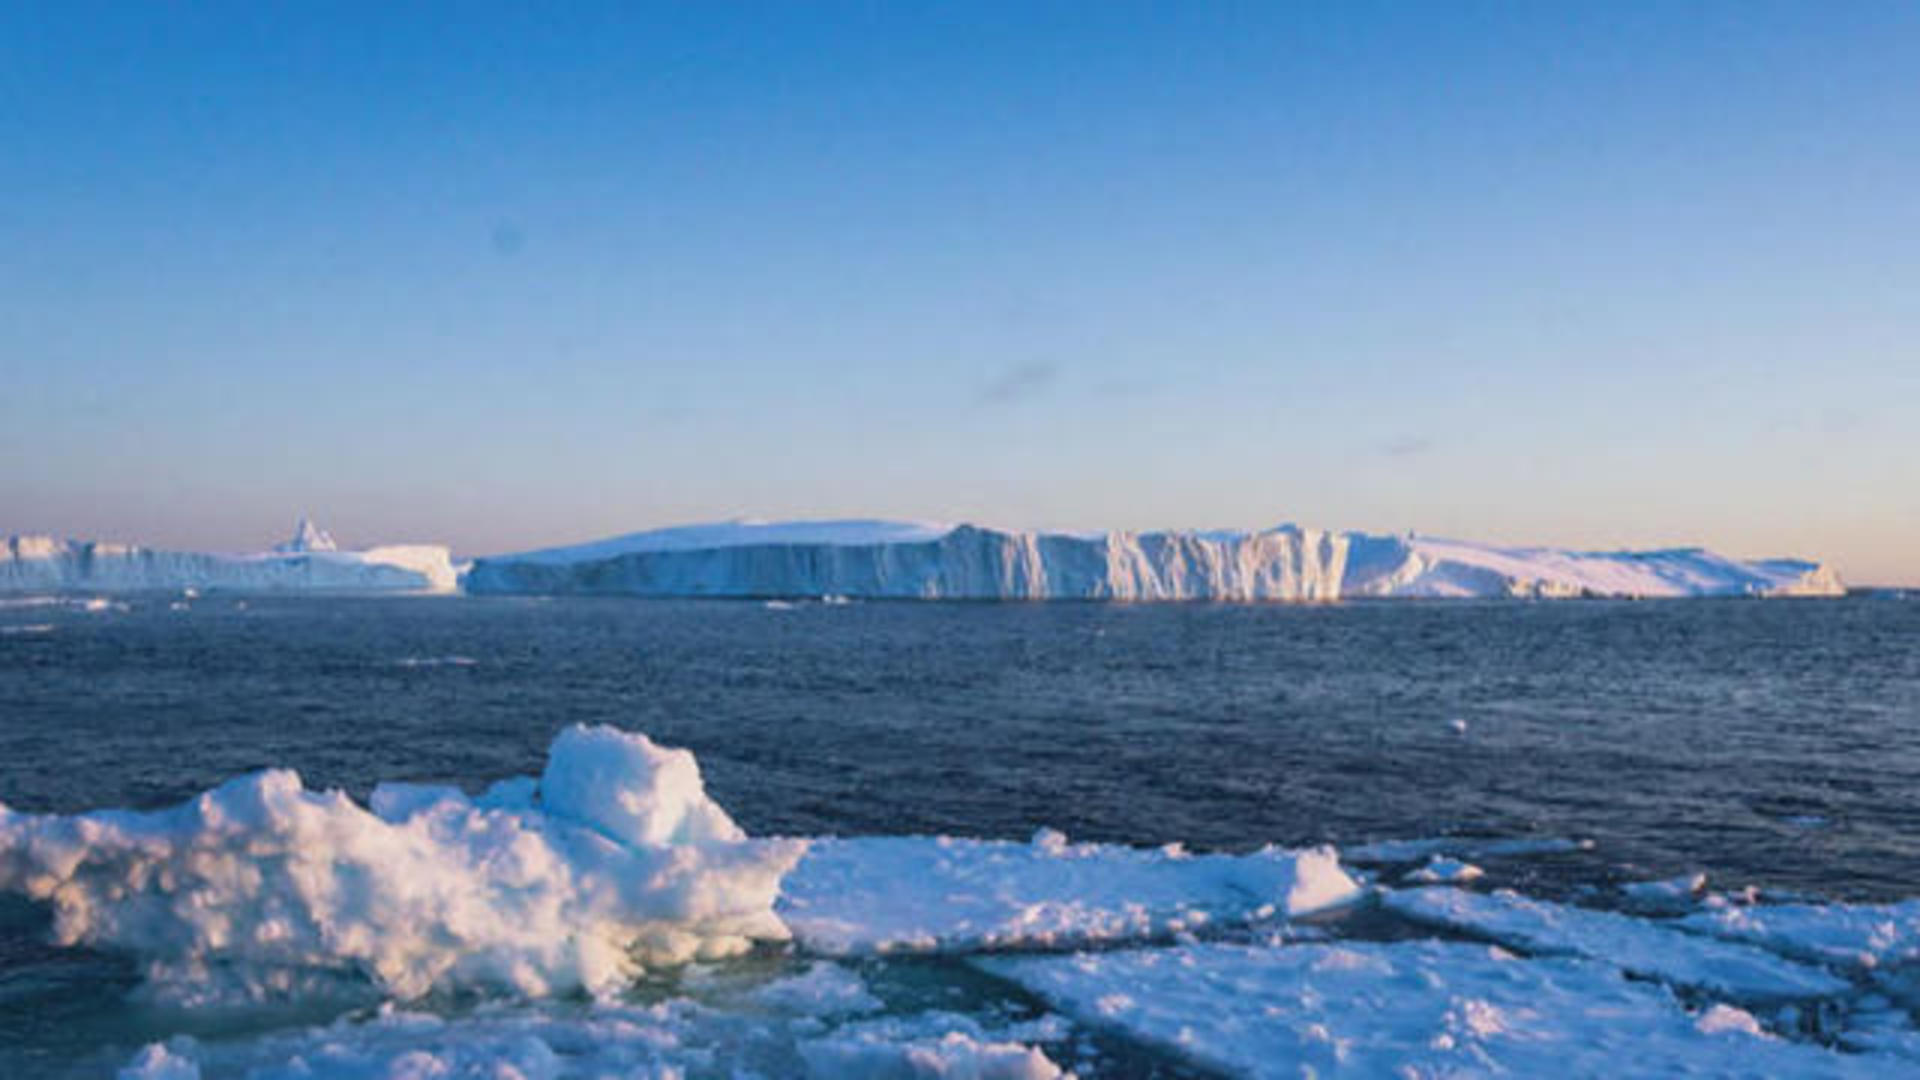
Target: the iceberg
(930, 561)
(309, 561)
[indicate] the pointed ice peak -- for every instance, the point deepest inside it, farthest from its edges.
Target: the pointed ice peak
(307, 537)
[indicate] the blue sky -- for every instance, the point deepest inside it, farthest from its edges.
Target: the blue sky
(1600, 275)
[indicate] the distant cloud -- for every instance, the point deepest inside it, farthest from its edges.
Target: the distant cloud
(507, 239)
(1407, 446)
(1018, 383)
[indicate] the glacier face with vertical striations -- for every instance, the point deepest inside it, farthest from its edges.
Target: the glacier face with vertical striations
(309, 561)
(918, 560)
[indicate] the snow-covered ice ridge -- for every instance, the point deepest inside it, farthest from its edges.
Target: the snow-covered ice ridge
(548, 896)
(308, 561)
(920, 560)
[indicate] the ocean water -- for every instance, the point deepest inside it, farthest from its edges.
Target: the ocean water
(1772, 743)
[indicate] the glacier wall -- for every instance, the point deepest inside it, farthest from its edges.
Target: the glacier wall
(47, 564)
(971, 563)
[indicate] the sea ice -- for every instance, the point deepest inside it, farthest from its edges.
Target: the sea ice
(1858, 935)
(909, 893)
(1637, 946)
(670, 1039)
(1408, 1009)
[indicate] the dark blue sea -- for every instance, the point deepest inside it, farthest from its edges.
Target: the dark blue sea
(1774, 743)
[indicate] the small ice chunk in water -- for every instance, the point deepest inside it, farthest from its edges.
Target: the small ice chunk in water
(1443, 870)
(157, 1062)
(1723, 1017)
(1668, 895)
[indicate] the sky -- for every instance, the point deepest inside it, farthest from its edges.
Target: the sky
(1598, 275)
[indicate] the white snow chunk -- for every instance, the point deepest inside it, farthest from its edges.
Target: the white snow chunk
(1637, 946)
(255, 887)
(1409, 1009)
(1723, 1017)
(887, 894)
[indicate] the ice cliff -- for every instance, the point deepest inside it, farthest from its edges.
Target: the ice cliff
(309, 561)
(910, 560)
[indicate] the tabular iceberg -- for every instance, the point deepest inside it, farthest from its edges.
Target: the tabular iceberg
(309, 561)
(912, 560)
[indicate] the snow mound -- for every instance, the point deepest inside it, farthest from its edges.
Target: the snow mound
(921, 894)
(310, 561)
(917, 560)
(615, 861)
(1636, 946)
(1416, 1009)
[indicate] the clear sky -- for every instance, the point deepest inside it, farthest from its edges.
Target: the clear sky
(1599, 275)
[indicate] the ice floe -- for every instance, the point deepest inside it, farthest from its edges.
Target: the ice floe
(1408, 1009)
(918, 894)
(1857, 935)
(669, 1039)
(1638, 946)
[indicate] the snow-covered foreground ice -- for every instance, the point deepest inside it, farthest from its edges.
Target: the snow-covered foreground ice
(608, 918)
(785, 1029)
(906, 894)
(1637, 946)
(1411, 1009)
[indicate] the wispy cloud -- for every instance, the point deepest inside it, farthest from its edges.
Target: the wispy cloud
(1018, 383)
(1407, 446)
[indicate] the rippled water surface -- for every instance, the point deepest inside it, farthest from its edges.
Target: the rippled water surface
(1776, 742)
